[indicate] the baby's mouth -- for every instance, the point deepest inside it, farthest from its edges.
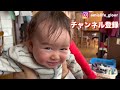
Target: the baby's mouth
(52, 63)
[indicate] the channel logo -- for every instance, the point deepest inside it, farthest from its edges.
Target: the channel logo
(85, 14)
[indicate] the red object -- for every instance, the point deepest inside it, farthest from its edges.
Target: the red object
(113, 32)
(82, 61)
(102, 45)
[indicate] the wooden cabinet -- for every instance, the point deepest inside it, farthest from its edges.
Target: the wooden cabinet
(114, 50)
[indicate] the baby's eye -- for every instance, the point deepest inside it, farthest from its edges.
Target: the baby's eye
(48, 48)
(63, 49)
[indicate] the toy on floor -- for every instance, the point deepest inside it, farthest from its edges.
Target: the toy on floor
(104, 70)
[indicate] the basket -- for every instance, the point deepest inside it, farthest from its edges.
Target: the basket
(106, 76)
(109, 62)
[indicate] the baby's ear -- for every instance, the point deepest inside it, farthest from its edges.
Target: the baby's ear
(30, 46)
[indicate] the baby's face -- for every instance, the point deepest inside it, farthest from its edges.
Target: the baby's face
(48, 52)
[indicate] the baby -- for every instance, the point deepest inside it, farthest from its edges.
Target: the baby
(45, 49)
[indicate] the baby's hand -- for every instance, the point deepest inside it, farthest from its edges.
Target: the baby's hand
(26, 74)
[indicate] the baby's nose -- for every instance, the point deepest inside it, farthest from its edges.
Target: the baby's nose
(55, 56)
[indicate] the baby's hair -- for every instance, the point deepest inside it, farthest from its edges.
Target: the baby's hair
(55, 19)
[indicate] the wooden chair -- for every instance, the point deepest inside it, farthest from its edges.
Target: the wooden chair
(1, 41)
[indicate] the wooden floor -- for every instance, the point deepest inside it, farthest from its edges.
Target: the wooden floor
(10, 76)
(90, 51)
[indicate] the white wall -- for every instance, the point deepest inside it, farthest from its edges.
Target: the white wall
(7, 27)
